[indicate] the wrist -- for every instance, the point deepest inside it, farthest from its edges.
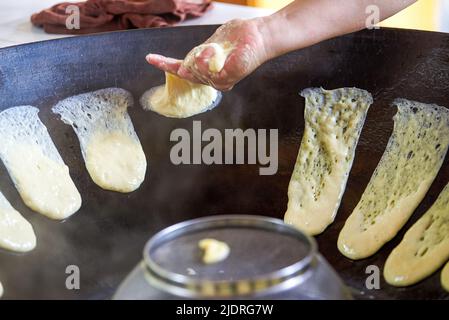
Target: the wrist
(289, 29)
(267, 30)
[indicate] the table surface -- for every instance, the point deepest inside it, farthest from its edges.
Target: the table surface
(16, 28)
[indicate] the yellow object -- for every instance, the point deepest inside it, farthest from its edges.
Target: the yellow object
(111, 149)
(44, 184)
(410, 163)
(116, 161)
(424, 248)
(334, 120)
(16, 233)
(214, 251)
(180, 98)
(445, 277)
(421, 16)
(274, 4)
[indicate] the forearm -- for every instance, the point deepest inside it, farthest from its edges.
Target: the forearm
(306, 22)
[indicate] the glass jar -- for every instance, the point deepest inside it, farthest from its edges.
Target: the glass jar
(268, 260)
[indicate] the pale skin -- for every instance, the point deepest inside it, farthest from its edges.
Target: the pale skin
(255, 41)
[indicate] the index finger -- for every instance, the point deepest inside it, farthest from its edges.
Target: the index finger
(166, 64)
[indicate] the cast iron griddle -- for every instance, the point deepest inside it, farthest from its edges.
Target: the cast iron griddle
(105, 238)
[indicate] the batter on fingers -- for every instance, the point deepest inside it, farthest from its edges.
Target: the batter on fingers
(180, 98)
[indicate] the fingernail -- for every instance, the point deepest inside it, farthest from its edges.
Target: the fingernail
(148, 57)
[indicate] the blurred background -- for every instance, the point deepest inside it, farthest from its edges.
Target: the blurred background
(16, 28)
(431, 15)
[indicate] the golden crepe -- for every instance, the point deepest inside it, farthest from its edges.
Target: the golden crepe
(412, 159)
(424, 248)
(333, 123)
(445, 277)
(16, 233)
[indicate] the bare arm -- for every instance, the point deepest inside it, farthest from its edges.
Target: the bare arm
(313, 21)
(298, 25)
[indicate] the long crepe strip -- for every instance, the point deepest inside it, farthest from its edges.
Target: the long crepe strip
(333, 123)
(410, 163)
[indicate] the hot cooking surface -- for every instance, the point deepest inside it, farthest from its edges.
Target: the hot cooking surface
(106, 237)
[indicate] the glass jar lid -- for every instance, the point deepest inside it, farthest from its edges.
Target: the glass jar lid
(266, 255)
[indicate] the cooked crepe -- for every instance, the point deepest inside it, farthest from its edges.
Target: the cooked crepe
(180, 98)
(333, 122)
(16, 233)
(110, 147)
(445, 277)
(412, 159)
(425, 247)
(34, 164)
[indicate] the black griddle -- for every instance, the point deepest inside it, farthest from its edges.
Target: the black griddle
(105, 238)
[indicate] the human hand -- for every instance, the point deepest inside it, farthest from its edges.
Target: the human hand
(239, 45)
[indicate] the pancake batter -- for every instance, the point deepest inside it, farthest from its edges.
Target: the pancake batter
(333, 122)
(412, 159)
(214, 251)
(180, 98)
(425, 247)
(110, 147)
(16, 233)
(217, 62)
(34, 164)
(115, 161)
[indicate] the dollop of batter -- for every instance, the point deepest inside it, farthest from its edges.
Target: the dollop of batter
(16, 233)
(214, 251)
(115, 161)
(180, 98)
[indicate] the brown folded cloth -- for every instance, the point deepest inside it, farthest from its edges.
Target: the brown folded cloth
(110, 15)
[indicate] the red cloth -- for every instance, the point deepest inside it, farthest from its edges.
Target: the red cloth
(110, 15)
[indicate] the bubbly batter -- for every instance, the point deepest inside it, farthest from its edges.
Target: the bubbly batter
(411, 161)
(180, 98)
(111, 149)
(445, 277)
(333, 122)
(34, 164)
(425, 247)
(214, 251)
(16, 233)
(116, 162)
